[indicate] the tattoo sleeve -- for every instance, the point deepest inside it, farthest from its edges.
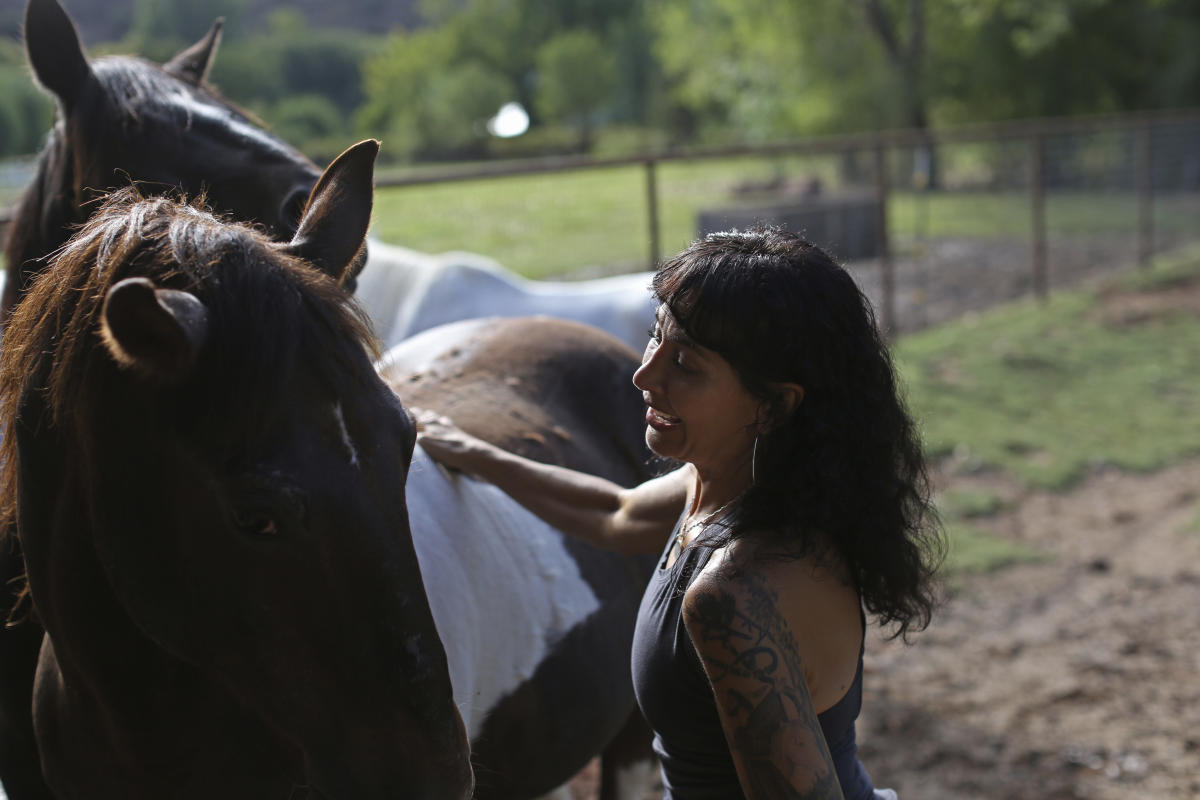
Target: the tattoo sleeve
(751, 658)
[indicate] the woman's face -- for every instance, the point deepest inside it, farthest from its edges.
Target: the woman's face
(697, 409)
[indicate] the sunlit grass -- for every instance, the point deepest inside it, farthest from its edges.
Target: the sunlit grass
(597, 219)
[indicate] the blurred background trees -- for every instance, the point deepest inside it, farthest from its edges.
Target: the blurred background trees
(620, 75)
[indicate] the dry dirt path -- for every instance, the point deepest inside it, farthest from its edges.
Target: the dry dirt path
(1075, 677)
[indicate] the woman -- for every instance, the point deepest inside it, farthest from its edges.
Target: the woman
(801, 500)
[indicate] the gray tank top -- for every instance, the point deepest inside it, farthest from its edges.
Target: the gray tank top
(677, 700)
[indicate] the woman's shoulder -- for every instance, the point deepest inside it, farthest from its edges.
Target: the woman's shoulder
(761, 566)
(803, 600)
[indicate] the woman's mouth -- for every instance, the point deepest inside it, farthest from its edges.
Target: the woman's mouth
(660, 421)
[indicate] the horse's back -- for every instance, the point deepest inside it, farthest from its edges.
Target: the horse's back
(554, 390)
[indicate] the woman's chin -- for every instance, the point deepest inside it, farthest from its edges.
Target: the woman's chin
(659, 444)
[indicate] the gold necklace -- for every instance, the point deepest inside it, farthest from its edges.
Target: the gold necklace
(683, 531)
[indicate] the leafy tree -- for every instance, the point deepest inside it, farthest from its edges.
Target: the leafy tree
(455, 108)
(1019, 58)
(293, 59)
(161, 27)
(394, 81)
(576, 78)
(424, 103)
(765, 69)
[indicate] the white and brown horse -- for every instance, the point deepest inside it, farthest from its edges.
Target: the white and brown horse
(251, 585)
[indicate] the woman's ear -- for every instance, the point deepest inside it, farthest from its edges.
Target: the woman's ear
(787, 398)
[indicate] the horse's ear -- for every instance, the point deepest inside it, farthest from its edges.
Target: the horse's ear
(192, 64)
(156, 332)
(55, 53)
(333, 229)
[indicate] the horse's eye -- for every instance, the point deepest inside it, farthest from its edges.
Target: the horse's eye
(255, 524)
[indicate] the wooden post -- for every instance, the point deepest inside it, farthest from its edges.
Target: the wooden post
(1145, 184)
(652, 212)
(1037, 203)
(887, 278)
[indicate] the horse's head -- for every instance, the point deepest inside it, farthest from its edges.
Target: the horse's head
(123, 119)
(241, 469)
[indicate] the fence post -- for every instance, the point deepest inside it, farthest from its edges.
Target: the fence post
(1037, 202)
(652, 212)
(1145, 183)
(886, 276)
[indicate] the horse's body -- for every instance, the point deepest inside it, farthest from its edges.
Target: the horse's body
(406, 292)
(242, 596)
(121, 120)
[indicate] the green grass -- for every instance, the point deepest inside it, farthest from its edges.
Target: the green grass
(1044, 392)
(973, 552)
(556, 224)
(969, 504)
(551, 225)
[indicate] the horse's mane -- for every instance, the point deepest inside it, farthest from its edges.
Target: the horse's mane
(266, 311)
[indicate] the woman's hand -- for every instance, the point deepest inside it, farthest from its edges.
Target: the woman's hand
(446, 443)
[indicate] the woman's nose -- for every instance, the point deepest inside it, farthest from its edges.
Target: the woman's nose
(643, 376)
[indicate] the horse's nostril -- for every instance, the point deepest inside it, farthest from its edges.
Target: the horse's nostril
(293, 209)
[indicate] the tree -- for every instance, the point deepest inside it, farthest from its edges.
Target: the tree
(576, 78)
(160, 27)
(769, 69)
(424, 102)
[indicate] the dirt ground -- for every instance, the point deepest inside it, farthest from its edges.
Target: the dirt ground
(1077, 676)
(1074, 677)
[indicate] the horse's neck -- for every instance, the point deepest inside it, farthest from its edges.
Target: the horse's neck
(46, 211)
(502, 586)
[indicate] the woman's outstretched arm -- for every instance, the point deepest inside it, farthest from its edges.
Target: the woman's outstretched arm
(591, 508)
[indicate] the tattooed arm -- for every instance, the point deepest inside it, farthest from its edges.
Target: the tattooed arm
(750, 654)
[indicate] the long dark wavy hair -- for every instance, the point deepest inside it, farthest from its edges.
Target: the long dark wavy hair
(844, 471)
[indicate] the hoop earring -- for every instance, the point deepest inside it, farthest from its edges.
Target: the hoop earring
(754, 462)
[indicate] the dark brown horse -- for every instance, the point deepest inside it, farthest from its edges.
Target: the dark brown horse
(251, 585)
(208, 480)
(121, 120)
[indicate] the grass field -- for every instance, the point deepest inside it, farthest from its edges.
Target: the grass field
(1041, 393)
